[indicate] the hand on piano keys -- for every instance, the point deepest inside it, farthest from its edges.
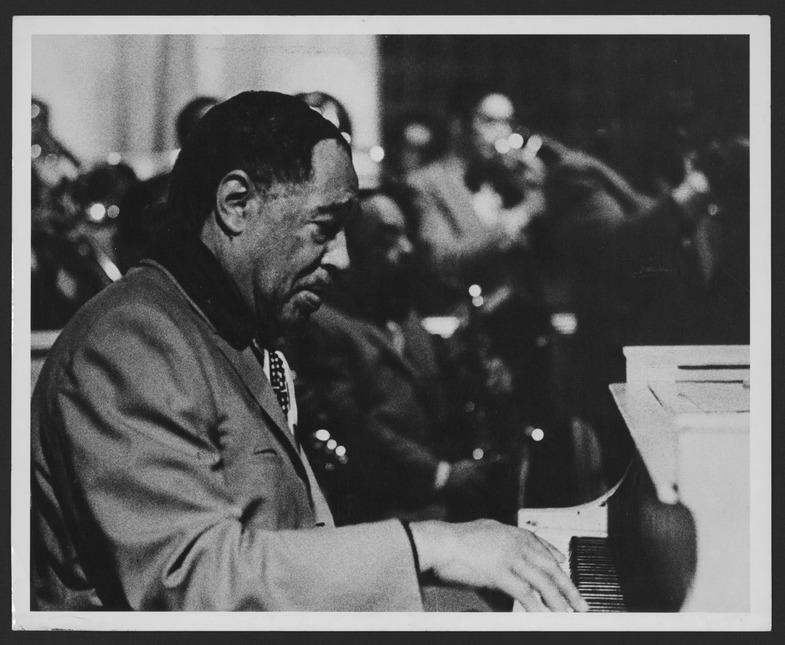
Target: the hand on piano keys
(581, 532)
(488, 554)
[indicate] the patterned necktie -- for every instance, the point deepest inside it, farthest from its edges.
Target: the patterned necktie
(278, 381)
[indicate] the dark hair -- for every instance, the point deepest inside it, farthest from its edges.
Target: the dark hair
(269, 135)
(190, 114)
(322, 100)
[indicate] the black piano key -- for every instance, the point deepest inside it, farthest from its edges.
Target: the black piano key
(594, 573)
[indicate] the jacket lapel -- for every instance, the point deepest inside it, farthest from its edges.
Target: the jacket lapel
(251, 373)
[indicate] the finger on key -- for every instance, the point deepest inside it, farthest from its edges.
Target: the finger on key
(546, 587)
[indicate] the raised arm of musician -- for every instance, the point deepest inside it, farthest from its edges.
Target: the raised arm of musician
(487, 554)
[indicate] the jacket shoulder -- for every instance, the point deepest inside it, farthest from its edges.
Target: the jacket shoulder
(142, 312)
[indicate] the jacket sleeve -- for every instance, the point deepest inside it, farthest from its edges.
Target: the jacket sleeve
(625, 255)
(608, 230)
(154, 516)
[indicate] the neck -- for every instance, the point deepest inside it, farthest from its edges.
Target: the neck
(223, 247)
(202, 276)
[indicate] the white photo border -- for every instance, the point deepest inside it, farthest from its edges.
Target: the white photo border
(758, 30)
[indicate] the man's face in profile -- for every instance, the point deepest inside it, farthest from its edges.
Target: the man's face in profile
(295, 240)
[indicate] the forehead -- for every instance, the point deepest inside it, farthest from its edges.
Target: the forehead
(332, 170)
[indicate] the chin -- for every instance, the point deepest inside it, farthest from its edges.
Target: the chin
(294, 320)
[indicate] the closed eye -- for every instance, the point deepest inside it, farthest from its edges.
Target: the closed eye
(327, 229)
(263, 451)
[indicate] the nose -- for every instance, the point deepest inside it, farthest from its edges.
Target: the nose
(337, 254)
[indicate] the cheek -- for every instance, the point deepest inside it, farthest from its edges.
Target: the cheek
(303, 258)
(269, 271)
(264, 283)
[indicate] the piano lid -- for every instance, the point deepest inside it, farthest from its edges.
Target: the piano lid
(671, 391)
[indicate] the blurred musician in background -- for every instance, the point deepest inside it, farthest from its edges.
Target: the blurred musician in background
(140, 212)
(638, 270)
(476, 243)
(472, 219)
(74, 221)
(52, 161)
(370, 381)
(632, 267)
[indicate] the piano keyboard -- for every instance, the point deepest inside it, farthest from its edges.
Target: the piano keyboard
(594, 574)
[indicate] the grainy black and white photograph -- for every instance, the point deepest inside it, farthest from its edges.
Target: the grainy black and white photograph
(449, 323)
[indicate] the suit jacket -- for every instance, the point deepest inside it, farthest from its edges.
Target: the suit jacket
(164, 475)
(387, 408)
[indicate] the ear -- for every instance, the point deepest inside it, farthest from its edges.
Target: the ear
(231, 201)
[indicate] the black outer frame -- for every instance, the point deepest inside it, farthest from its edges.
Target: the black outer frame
(772, 8)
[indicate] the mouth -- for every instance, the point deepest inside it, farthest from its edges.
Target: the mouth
(314, 288)
(309, 296)
(311, 299)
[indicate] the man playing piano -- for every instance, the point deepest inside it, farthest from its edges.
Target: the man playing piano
(166, 471)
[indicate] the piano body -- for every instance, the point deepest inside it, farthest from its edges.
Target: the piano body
(674, 533)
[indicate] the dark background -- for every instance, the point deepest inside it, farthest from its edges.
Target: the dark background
(612, 95)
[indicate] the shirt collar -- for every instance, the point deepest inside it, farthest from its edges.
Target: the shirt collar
(201, 276)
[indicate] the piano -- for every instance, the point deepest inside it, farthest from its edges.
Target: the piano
(674, 533)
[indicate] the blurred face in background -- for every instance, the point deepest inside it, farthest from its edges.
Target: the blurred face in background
(381, 254)
(492, 120)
